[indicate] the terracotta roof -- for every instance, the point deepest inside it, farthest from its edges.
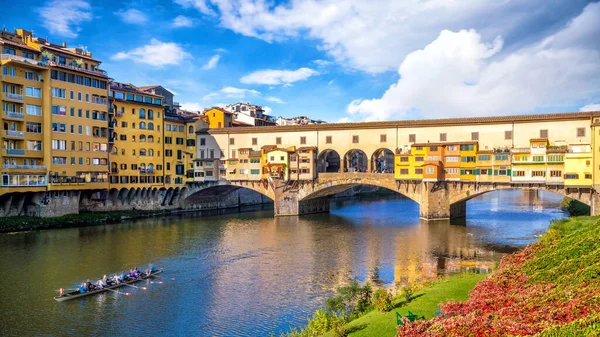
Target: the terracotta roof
(306, 148)
(231, 159)
(245, 149)
(268, 147)
(240, 124)
(556, 150)
(445, 143)
(538, 140)
(147, 87)
(282, 149)
(218, 108)
(418, 123)
(485, 151)
(17, 44)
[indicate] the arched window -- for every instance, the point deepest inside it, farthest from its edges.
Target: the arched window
(142, 152)
(150, 114)
(151, 139)
(150, 126)
(133, 152)
(133, 125)
(150, 153)
(150, 167)
(133, 138)
(142, 138)
(115, 150)
(143, 125)
(191, 129)
(142, 165)
(143, 113)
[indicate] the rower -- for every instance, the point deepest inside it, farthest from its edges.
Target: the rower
(99, 284)
(88, 285)
(82, 288)
(105, 280)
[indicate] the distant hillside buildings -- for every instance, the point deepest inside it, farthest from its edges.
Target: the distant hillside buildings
(300, 120)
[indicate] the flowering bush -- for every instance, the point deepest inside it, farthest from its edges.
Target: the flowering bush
(552, 285)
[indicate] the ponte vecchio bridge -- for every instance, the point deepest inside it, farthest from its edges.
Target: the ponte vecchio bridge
(439, 164)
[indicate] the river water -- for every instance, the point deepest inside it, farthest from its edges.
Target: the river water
(248, 274)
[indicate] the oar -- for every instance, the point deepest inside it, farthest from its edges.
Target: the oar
(118, 292)
(159, 282)
(131, 285)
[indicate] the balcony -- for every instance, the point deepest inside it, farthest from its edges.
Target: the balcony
(99, 100)
(25, 167)
(150, 170)
(15, 152)
(14, 114)
(14, 97)
(34, 63)
(14, 134)
(142, 170)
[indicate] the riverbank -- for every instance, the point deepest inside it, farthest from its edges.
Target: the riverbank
(550, 288)
(24, 223)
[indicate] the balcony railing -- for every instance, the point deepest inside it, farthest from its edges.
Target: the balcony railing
(17, 97)
(114, 170)
(142, 170)
(25, 167)
(21, 59)
(99, 100)
(11, 133)
(14, 114)
(15, 152)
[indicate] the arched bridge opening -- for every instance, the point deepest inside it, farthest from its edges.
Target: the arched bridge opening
(224, 196)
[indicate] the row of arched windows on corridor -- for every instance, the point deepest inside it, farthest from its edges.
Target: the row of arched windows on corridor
(143, 152)
(143, 115)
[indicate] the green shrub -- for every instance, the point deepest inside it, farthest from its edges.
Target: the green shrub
(351, 301)
(382, 300)
(408, 292)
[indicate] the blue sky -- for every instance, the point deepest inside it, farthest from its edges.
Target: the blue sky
(349, 60)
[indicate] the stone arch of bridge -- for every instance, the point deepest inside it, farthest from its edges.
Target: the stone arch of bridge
(330, 184)
(382, 160)
(215, 189)
(328, 161)
(356, 160)
(462, 194)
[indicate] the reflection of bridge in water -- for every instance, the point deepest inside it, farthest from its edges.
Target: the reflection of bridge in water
(437, 200)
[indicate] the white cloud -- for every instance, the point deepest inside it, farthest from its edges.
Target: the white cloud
(376, 35)
(192, 106)
(182, 21)
(274, 99)
(220, 50)
(272, 76)
(231, 92)
(322, 63)
(212, 62)
(460, 75)
(591, 107)
(132, 16)
(267, 110)
(64, 17)
(156, 54)
(201, 5)
(330, 83)
(344, 120)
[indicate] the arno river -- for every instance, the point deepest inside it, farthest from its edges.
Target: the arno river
(248, 274)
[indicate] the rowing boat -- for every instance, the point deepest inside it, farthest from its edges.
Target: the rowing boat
(77, 294)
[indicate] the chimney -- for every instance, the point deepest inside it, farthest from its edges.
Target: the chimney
(64, 44)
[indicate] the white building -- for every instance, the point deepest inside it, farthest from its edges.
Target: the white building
(299, 120)
(251, 114)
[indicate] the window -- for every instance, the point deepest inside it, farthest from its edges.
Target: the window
(303, 140)
(383, 138)
(33, 92)
(580, 132)
(429, 170)
(179, 141)
(543, 133)
(355, 139)
(555, 174)
(254, 141)
(412, 138)
(403, 171)
(59, 93)
(72, 95)
(588, 176)
(142, 113)
(328, 140)
(59, 160)
(59, 110)
(538, 158)
(59, 127)
(419, 158)
(468, 159)
(538, 173)
(467, 147)
(474, 135)
(451, 148)
(404, 159)
(79, 113)
(501, 157)
(433, 148)
(485, 157)
(33, 127)
(571, 176)
(452, 170)
(33, 110)
(278, 140)
(79, 95)
(231, 140)
(202, 141)
(507, 135)
(442, 137)
(518, 173)
(418, 171)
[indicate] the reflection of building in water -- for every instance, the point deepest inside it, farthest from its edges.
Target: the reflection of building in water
(438, 249)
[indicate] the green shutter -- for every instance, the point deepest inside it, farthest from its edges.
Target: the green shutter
(508, 172)
(476, 172)
(462, 172)
(490, 172)
(513, 174)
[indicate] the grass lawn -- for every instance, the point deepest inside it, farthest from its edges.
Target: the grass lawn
(425, 303)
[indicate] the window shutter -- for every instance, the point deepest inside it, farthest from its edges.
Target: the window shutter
(462, 172)
(490, 172)
(508, 172)
(476, 172)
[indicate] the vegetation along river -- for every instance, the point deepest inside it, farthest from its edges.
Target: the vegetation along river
(249, 274)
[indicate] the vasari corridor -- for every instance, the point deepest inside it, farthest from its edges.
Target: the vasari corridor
(300, 168)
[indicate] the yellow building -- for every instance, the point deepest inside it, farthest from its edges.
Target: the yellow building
(578, 165)
(468, 160)
(177, 158)
(278, 163)
(26, 130)
(75, 113)
(136, 140)
(218, 118)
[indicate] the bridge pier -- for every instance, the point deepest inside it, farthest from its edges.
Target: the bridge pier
(434, 203)
(288, 204)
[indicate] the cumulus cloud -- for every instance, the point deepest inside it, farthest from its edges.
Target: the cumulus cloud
(212, 62)
(156, 54)
(375, 36)
(182, 21)
(590, 107)
(132, 16)
(231, 92)
(191, 106)
(322, 63)
(64, 17)
(267, 110)
(274, 99)
(272, 76)
(459, 74)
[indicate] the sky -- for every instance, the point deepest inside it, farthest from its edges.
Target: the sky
(341, 61)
